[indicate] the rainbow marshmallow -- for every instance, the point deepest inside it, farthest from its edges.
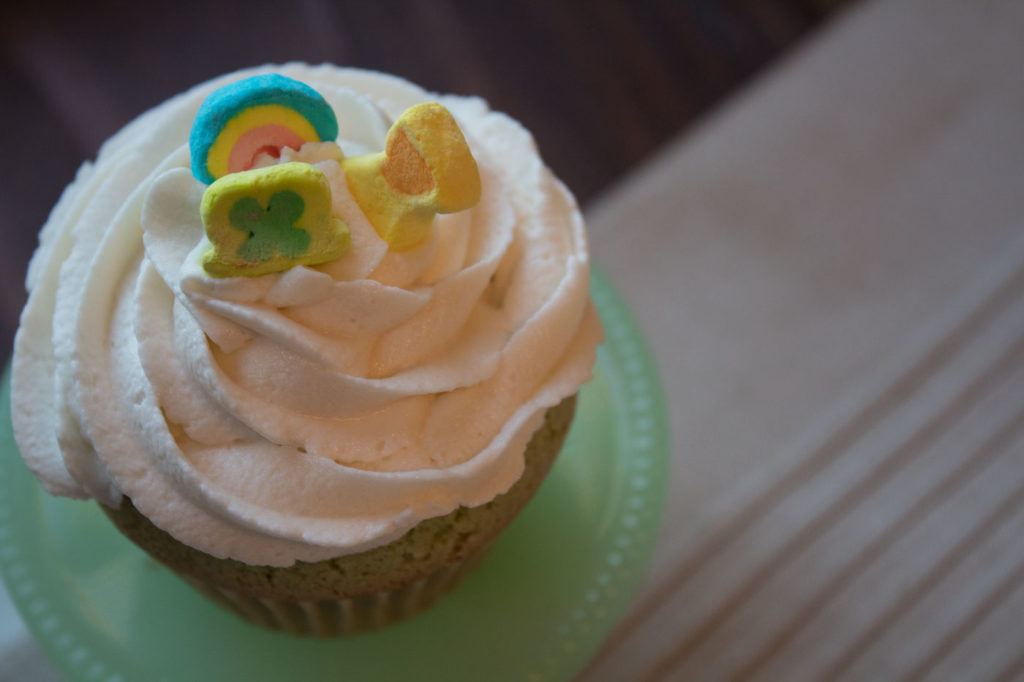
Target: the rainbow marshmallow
(258, 114)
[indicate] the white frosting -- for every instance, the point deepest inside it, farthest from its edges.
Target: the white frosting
(311, 413)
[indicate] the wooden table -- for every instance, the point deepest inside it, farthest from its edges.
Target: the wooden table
(832, 273)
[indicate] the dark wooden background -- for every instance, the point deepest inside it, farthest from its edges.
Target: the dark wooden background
(600, 83)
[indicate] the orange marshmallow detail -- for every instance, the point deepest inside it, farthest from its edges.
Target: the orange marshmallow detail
(426, 168)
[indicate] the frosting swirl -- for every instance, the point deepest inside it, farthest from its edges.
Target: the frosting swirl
(316, 412)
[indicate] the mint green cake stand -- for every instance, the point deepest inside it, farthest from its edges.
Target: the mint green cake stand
(536, 609)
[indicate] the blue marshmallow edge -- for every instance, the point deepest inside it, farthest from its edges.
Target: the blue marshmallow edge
(224, 103)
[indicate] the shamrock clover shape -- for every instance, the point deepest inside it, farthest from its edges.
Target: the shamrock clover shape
(270, 231)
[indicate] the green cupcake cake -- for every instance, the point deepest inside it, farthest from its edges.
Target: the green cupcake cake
(311, 336)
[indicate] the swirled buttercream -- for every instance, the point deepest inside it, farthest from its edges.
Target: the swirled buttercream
(315, 412)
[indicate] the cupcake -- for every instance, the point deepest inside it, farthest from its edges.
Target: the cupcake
(311, 337)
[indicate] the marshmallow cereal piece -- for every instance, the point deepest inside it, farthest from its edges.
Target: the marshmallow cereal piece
(270, 219)
(262, 114)
(426, 168)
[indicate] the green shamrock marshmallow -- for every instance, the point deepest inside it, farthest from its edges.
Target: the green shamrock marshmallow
(270, 219)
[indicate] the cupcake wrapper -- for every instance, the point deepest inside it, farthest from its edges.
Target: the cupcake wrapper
(350, 615)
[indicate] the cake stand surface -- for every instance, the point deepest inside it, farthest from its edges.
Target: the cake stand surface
(536, 609)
